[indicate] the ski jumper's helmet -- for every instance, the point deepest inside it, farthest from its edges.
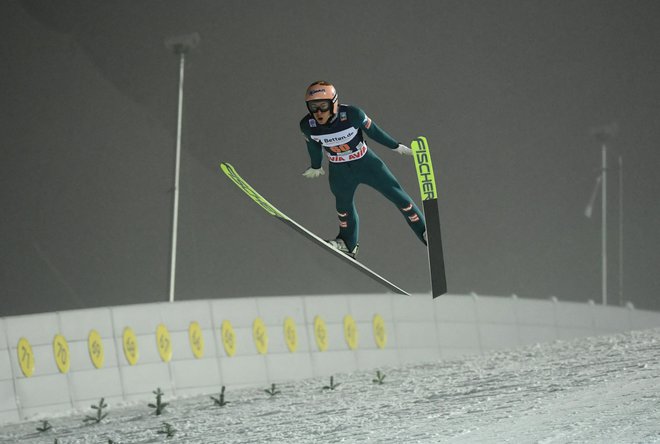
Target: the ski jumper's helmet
(322, 96)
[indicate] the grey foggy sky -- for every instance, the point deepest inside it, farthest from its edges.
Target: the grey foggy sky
(505, 91)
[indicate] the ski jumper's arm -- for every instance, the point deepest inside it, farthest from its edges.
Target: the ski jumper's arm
(361, 120)
(313, 147)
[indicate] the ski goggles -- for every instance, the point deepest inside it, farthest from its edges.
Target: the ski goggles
(323, 105)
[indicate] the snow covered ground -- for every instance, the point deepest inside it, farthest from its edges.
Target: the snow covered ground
(593, 390)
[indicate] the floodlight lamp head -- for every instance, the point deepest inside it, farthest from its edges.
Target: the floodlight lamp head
(181, 44)
(605, 133)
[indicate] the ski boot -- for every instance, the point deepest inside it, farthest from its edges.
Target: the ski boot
(339, 244)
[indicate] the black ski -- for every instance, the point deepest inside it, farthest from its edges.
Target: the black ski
(429, 193)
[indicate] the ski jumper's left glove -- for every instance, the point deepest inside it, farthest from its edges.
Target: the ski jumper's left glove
(402, 149)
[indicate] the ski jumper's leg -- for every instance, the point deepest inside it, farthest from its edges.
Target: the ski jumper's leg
(379, 177)
(343, 183)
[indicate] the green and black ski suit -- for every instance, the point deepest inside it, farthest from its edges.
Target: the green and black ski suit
(351, 163)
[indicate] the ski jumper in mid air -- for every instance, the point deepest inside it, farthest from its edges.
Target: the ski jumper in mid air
(338, 130)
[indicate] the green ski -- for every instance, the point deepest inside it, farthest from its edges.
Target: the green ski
(230, 171)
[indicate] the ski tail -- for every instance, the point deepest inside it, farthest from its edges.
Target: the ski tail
(429, 193)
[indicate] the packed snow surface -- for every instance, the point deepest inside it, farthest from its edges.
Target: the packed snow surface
(591, 390)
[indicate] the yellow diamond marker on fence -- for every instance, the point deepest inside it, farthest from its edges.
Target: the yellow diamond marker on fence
(260, 336)
(320, 333)
(95, 348)
(380, 333)
(290, 334)
(164, 343)
(196, 339)
(61, 353)
(350, 332)
(131, 351)
(228, 338)
(25, 357)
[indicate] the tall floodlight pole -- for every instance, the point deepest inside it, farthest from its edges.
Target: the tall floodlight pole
(620, 230)
(603, 184)
(603, 134)
(180, 45)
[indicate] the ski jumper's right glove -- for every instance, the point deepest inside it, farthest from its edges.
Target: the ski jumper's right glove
(312, 173)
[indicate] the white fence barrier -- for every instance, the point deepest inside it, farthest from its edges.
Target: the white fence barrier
(66, 360)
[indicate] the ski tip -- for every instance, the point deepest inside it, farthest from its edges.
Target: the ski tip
(226, 167)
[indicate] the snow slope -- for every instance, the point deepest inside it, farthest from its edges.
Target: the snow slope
(591, 390)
